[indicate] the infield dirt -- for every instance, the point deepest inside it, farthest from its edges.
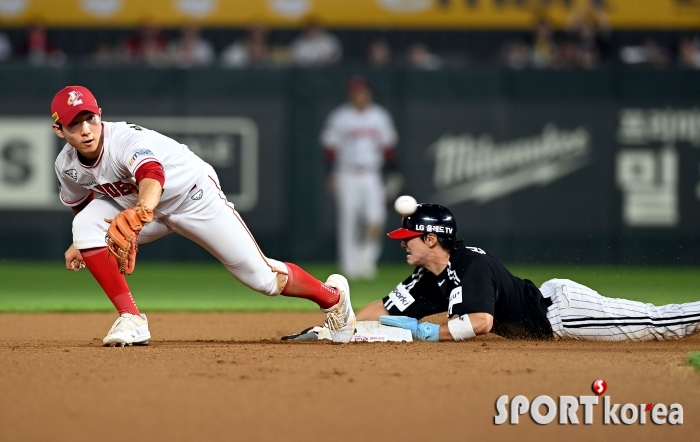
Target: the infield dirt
(226, 376)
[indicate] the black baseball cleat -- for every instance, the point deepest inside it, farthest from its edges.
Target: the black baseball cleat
(308, 334)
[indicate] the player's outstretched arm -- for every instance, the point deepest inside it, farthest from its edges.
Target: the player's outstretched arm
(469, 326)
(458, 329)
(372, 311)
(122, 234)
(150, 191)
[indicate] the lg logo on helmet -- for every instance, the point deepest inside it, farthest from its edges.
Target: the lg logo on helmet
(567, 410)
(433, 229)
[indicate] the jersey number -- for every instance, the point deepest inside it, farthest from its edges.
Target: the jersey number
(117, 189)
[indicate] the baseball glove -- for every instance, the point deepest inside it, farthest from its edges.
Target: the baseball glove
(122, 236)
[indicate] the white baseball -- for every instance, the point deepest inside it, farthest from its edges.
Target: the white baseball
(405, 205)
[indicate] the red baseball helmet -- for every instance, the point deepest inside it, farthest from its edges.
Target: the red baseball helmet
(70, 101)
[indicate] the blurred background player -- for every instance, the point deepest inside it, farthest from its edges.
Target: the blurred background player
(359, 138)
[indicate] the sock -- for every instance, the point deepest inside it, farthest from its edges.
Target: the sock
(108, 277)
(302, 285)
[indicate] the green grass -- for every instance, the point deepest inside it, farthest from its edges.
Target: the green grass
(41, 287)
(694, 359)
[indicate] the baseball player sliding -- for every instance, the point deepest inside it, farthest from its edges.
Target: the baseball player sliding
(482, 296)
(128, 185)
(358, 138)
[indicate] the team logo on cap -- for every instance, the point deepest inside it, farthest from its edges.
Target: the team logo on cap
(74, 98)
(72, 173)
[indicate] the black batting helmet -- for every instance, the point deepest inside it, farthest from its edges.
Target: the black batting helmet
(428, 218)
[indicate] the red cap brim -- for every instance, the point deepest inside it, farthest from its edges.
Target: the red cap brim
(402, 233)
(70, 115)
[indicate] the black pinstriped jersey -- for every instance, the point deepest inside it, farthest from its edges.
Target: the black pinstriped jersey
(474, 282)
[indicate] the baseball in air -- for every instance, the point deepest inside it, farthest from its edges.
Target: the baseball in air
(405, 205)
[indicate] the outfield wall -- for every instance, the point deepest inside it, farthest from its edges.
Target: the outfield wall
(571, 166)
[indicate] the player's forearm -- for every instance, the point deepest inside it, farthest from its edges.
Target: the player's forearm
(466, 327)
(372, 312)
(149, 193)
(445, 334)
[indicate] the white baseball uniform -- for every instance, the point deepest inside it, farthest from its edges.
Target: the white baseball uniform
(359, 138)
(192, 203)
(578, 312)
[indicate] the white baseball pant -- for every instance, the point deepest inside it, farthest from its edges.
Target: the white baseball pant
(578, 312)
(205, 217)
(361, 218)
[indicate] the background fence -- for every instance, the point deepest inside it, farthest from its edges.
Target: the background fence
(538, 166)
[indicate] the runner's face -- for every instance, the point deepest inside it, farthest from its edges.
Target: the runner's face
(84, 133)
(418, 253)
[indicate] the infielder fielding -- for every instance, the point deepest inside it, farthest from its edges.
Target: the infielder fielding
(482, 296)
(358, 138)
(128, 185)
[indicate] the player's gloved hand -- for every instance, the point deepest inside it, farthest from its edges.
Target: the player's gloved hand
(425, 331)
(122, 236)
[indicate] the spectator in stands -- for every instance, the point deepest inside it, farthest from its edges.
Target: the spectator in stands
(39, 50)
(191, 50)
(104, 55)
(516, 55)
(590, 12)
(5, 47)
(149, 47)
(544, 51)
(379, 54)
(316, 47)
(588, 49)
(419, 57)
(254, 51)
(648, 54)
(589, 26)
(689, 53)
(568, 54)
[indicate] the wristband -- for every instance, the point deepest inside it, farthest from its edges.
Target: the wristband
(461, 328)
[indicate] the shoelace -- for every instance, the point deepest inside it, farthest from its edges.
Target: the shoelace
(121, 323)
(334, 320)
